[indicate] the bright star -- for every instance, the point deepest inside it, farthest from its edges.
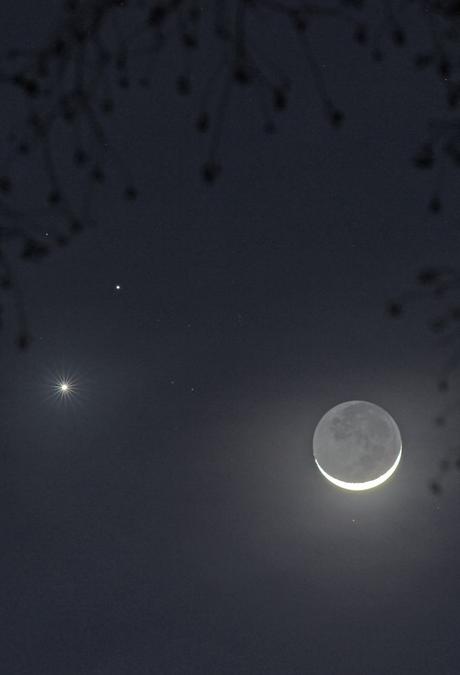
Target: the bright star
(65, 387)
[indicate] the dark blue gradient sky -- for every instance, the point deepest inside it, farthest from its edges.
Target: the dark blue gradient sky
(172, 521)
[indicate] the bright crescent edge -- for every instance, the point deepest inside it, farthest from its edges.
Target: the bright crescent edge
(366, 485)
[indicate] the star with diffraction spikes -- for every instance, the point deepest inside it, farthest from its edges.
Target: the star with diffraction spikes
(64, 387)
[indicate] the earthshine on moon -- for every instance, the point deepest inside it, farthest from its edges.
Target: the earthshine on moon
(357, 445)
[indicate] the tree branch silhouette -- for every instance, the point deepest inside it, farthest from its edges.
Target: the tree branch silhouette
(68, 89)
(441, 285)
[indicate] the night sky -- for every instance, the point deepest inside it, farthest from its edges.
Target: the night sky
(170, 519)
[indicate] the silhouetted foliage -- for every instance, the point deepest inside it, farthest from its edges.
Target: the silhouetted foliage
(394, 308)
(71, 85)
(441, 284)
(435, 487)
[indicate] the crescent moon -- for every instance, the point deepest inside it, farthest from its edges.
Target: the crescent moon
(366, 485)
(357, 445)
